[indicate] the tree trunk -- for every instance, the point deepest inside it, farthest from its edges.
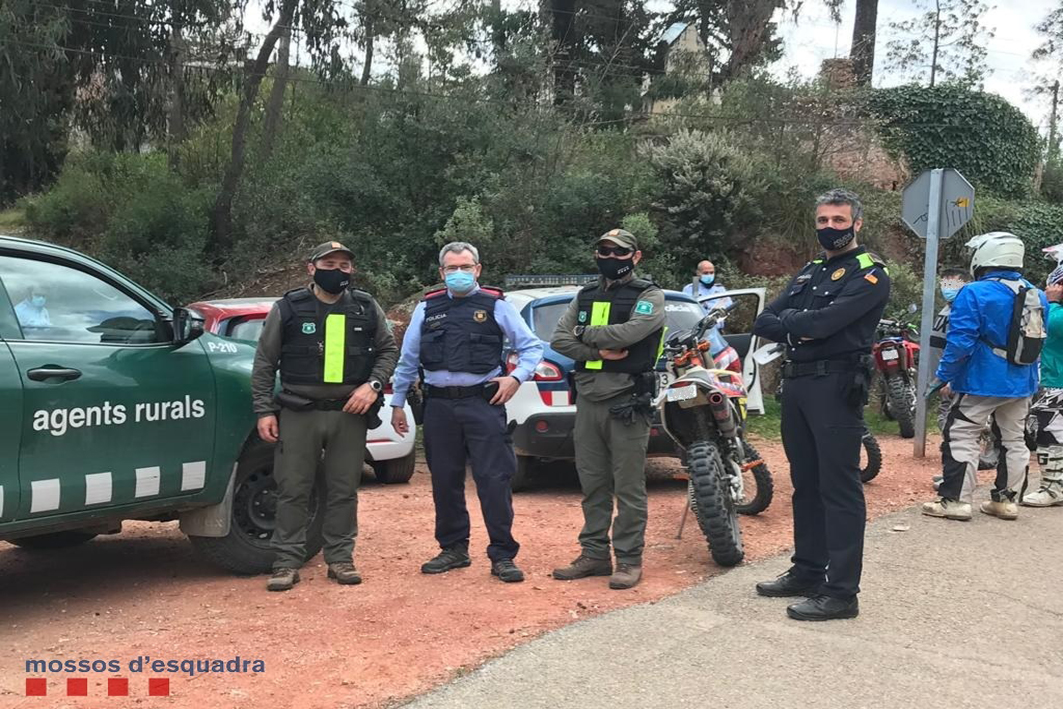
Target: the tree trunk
(1053, 125)
(748, 25)
(175, 115)
(275, 105)
(223, 207)
(937, 42)
(370, 38)
(565, 39)
(862, 51)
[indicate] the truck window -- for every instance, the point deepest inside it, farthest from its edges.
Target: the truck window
(57, 303)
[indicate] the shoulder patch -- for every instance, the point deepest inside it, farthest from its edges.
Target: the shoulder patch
(493, 291)
(644, 307)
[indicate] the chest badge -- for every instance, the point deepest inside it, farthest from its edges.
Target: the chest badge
(309, 328)
(583, 316)
(480, 316)
(837, 274)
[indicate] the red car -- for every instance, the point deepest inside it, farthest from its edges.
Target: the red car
(392, 456)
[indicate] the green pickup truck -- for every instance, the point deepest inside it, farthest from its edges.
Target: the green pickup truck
(115, 406)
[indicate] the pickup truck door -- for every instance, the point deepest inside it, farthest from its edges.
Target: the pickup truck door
(113, 413)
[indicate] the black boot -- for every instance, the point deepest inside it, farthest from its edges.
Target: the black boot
(507, 571)
(789, 584)
(452, 558)
(824, 608)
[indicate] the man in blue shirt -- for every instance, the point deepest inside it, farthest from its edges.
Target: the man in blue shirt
(456, 335)
(31, 312)
(705, 284)
(983, 380)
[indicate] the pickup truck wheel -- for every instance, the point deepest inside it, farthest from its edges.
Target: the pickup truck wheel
(525, 466)
(396, 470)
(246, 548)
(55, 540)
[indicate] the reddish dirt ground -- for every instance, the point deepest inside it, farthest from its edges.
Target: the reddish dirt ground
(400, 633)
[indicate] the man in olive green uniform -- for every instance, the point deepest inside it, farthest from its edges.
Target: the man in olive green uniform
(613, 329)
(335, 353)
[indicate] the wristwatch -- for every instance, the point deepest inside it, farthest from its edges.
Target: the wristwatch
(376, 386)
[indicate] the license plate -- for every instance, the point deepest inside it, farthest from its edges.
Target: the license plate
(683, 393)
(889, 354)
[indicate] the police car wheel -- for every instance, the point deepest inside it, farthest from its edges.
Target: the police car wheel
(525, 466)
(710, 500)
(55, 540)
(396, 470)
(870, 458)
(246, 548)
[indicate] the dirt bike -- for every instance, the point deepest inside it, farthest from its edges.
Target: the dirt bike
(896, 359)
(704, 411)
(870, 454)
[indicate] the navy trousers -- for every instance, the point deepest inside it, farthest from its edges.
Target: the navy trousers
(457, 431)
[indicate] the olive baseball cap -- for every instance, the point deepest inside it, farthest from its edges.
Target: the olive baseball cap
(620, 237)
(329, 247)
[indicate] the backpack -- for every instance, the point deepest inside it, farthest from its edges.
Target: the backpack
(1026, 331)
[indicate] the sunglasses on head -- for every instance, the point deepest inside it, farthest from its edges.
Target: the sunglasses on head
(614, 251)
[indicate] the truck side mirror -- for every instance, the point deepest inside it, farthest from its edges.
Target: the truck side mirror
(187, 325)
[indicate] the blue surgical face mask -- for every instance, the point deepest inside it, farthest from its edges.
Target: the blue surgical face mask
(707, 279)
(949, 294)
(460, 282)
(38, 301)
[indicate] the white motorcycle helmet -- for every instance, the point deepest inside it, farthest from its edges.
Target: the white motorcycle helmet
(997, 249)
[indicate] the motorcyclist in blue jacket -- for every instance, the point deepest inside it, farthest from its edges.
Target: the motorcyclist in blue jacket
(984, 382)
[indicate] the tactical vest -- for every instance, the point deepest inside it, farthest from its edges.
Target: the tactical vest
(598, 308)
(461, 334)
(324, 344)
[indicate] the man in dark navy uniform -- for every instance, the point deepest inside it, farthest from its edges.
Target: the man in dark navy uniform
(827, 317)
(456, 335)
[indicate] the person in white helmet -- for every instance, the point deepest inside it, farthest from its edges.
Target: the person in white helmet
(1048, 408)
(990, 367)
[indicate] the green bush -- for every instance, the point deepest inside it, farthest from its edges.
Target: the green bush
(980, 134)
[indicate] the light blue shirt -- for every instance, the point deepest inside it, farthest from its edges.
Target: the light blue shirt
(30, 315)
(519, 336)
(704, 290)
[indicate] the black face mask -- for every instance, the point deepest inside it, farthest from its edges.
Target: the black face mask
(833, 239)
(332, 280)
(614, 269)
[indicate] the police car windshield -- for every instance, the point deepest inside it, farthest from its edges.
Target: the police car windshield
(682, 315)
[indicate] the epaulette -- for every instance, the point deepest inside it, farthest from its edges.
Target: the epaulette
(301, 293)
(493, 291)
(870, 260)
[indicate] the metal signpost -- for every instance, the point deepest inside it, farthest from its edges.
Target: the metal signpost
(935, 206)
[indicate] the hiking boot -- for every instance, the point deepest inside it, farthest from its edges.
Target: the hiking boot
(583, 567)
(824, 608)
(282, 579)
(948, 509)
(507, 571)
(625, 576)
(789, 584)
(1005, 509)
(344, 573)
(1050, 495)
(451, 558)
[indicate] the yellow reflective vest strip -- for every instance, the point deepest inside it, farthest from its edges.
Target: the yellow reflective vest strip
(335, 347)
(599, 318)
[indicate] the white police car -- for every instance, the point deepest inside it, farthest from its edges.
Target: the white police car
(542, 413)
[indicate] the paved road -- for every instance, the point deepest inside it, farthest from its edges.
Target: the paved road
(953, 615)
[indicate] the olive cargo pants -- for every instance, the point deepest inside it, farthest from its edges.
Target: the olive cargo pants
(303, 435)
(611, 461)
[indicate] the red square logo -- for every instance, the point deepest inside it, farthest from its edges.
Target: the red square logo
(117, 687)
(158, 687)
(77, 687)
(36, 687)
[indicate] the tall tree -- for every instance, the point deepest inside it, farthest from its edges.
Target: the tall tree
(862, 50)
(1049, 54)
(945, 43)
